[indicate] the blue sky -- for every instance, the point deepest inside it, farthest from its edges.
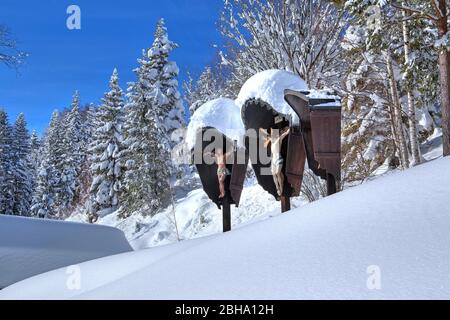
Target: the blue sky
(112, 34)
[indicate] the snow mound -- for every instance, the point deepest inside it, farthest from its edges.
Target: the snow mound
(269, 86)
(197, 216)
(32, 246)
(222, 114)
(385, 239)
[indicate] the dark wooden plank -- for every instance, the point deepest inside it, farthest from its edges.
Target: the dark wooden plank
(226, 214)
(238, 174)
(285, 203)
(331, 185)
(326, 136)
(296, 158)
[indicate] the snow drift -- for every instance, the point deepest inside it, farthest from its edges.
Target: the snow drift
(222, 114)
(269, 86)
(396, 225)
(32, 246)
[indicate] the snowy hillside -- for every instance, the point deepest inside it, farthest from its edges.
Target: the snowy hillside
(394, 229)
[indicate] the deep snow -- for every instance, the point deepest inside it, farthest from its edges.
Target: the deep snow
(397, 225)
(33, 246)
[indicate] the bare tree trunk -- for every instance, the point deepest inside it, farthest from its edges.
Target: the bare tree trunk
(444, 70)
(411, 106)
(174, 212)
(394, 130)
(444, 66)
(404, 156)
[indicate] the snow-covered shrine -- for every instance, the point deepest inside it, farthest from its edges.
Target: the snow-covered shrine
(274, 102)
(278, 124)
(215, 137)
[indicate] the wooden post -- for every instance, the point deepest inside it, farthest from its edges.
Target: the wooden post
(285, 203)
(331, 185)
(226, 213)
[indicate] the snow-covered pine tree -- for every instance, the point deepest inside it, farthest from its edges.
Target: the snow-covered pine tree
(35, 151)
(6, 170)
(43, 193)
(48, 186)
(146, 155)
(163, 76)
(205, 89)
(106, 149)
(72, 157)
(35, 158)
(89, 122)
(85, 175)
(168, 109)
(22, 169)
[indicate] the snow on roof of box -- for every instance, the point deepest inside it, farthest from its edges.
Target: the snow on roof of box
(269, 86)
(322, 94)
(222, 114)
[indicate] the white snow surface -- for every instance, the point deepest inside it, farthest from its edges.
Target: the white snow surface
(222, 114)
(269, 86)
(32, 246)
(197, 216)
(396, 225)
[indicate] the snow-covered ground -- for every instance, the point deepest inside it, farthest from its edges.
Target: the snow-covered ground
(384, 239)
(32, 246)
(432, 148)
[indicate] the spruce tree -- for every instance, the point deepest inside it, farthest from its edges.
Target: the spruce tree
(48, 187)
(205, 89)
(6, 170)
(35, 156)
(73, 157)
(163, 76)
(106, 147)
(84, 177)
(22, 170)
(147, 171)
(43, 195)
(168, 109)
